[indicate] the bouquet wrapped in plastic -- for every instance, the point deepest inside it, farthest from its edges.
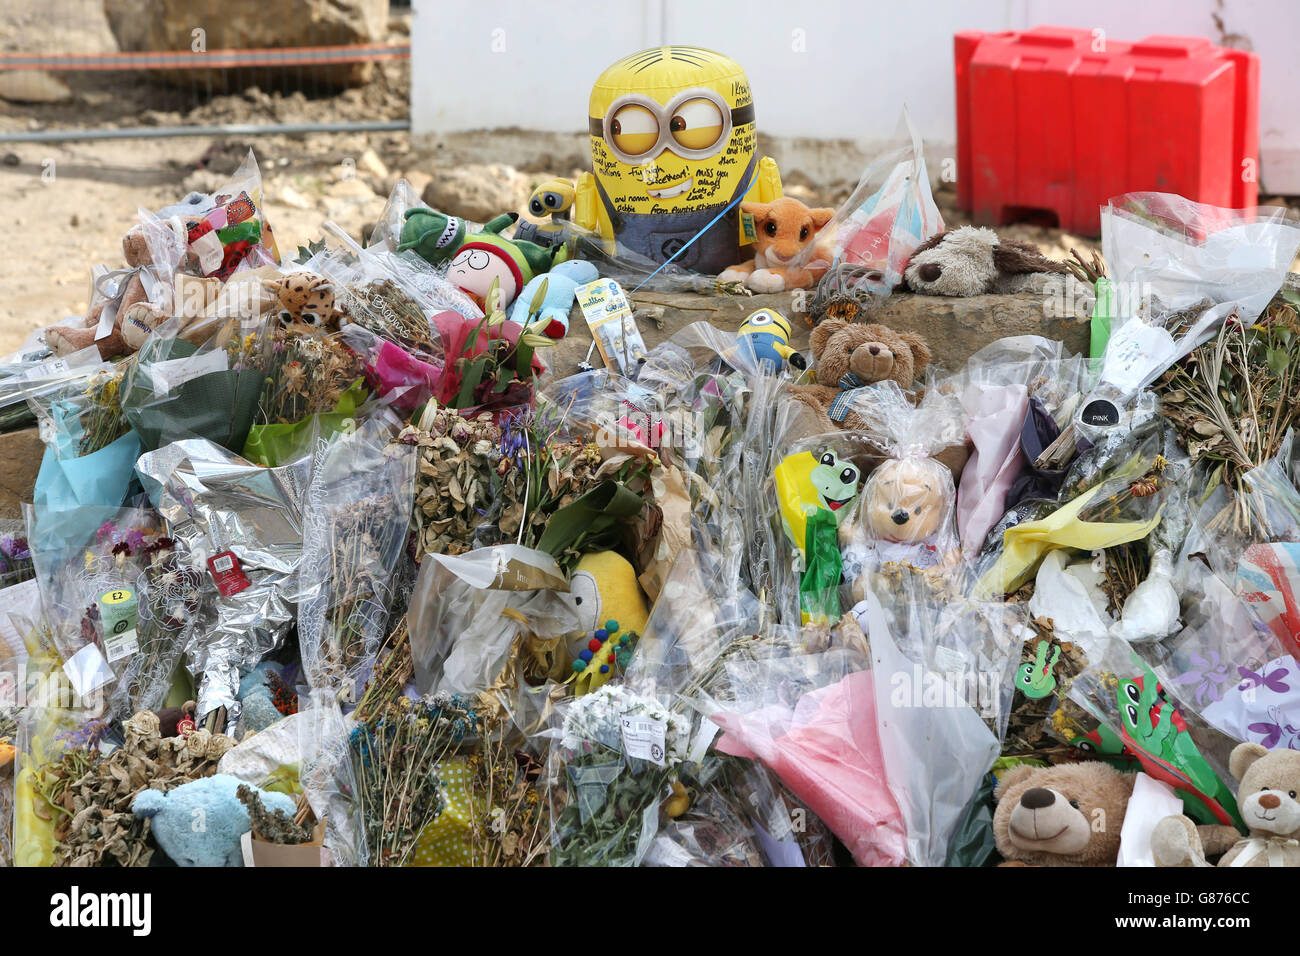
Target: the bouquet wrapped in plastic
(355, 521)
(616, 756)
(243, 524)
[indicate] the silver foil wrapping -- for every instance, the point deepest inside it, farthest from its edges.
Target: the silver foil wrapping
(214, 501)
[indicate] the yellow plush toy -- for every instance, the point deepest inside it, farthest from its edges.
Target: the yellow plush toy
(612, 608)
(672, 145)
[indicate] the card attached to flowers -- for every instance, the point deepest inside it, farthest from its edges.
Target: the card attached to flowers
(609, 316)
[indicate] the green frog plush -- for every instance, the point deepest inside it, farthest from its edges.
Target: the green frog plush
(814, 491)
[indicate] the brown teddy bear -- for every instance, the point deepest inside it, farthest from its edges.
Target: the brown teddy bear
(1266, 799)
(66, 339)
(1066, 815)
(850, 355)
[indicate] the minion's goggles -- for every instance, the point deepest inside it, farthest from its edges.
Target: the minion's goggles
(763, 318)
(696, 123)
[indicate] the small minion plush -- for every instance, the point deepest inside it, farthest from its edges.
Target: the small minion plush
(768, 332)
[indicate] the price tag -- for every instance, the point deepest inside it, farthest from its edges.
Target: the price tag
(644, 738)
(227, 573)
(118, 616)
(47, 369)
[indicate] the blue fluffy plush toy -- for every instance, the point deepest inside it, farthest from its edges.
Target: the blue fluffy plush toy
(561, 282)
(258, 709)
(200, 823)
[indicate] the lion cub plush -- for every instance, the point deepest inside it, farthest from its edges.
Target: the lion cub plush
(785, 227)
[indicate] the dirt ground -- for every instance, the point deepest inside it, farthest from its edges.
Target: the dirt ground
(69, 203)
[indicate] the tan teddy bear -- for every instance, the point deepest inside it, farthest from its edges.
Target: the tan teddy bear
(66, 339)
(1266, 799)
(905, 515)
(1066, 815)
(850, 355)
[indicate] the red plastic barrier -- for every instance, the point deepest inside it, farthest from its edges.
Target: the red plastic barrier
(1054, 119)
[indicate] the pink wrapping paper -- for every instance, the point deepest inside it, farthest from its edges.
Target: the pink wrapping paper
(997, 415)
(406, 381)
(827, 752)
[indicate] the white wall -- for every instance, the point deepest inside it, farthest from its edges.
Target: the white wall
(820, 69)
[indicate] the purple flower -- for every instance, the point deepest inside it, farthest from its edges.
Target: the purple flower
(88, 736)
(1210, 674)
(15, 547)
(512, 441)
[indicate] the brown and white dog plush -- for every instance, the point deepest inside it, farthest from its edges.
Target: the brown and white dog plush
(973, 260)
(786, 227)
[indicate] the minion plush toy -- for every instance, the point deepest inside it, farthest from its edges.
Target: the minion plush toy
(768, 333)
(673, 145)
